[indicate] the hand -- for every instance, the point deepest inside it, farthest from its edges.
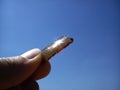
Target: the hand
(20, 72)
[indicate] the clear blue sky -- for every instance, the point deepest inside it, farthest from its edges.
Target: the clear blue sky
(92, 62)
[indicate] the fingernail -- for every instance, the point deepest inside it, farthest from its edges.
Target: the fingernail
(31, 53)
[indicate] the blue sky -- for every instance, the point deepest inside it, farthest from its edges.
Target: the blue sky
(90, 63)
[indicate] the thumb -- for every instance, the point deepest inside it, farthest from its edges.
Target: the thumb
(14, 70)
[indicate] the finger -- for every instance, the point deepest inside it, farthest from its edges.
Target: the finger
(42, 71)
(27, 85)
(15, 70)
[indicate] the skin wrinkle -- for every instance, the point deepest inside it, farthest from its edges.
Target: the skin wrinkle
(12, 66)
(13, 60)
(10, 69)
(18, 72)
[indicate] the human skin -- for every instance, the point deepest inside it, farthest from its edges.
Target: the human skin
(21, 72)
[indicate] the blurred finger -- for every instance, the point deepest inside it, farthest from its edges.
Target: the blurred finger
(27, 85)
(30, 85)
(15, 70)
(42, 71)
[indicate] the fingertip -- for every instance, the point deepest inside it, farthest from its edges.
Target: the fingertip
(31, 53)
(42, 71)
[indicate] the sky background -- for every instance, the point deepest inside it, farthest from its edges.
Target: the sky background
(92, 62)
